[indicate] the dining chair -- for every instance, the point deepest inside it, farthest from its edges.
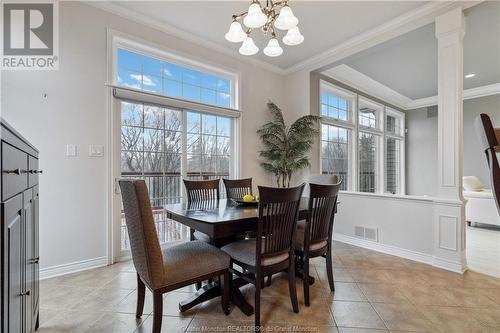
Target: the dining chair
(273, 249)
(319, 179)
(201, 192)
(237, 188)
(489, 138)
(315, 240)
(171, 268)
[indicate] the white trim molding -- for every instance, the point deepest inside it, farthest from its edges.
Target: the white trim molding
(400, 252)
(74, 267)
(400, 25)
(355, 79)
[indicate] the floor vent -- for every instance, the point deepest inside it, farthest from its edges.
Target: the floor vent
(366, 233)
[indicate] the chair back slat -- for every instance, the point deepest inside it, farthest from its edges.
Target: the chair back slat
(322, 201)
(237, 188)
(202, 190)
(144, 243)
(278, 214)
(326, 179)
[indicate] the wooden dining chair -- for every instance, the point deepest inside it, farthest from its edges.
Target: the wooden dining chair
(201, 193)
(489, 138)
(171, 268)
(273, 249)
(237, 188)
(315, 240)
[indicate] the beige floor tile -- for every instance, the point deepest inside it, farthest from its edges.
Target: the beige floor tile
(62, 297)
(47, 314)
(103, 299)
(405, 277)
(360, 330)
(274, 310)
(489, 317)
(453, 319)
(124, 280)
(369, 275)
(468, 297)
(426, 295)
(129, 303)
(71, 321)
(356, 314)
(168, 324)
(493, 294)
(115, 323)
(341, 275)
(382, 292)
(403, 317)
(345, 291)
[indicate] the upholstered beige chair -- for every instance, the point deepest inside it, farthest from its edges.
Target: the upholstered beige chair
(172, 268)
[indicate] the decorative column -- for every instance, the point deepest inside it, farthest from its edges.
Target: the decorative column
(449, 211)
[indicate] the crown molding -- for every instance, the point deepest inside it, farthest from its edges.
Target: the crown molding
(359, 81)
(176, 32)
(400, 25)
(362, 82)
(487, 90)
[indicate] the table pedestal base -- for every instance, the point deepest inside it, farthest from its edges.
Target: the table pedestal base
(212, 290)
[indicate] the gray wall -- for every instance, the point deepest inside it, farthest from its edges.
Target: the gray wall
(421, 145)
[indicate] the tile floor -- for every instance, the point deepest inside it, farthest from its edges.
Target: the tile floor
(374, 293)
(483, 249)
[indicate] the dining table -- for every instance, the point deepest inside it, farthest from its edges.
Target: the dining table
(222, 220)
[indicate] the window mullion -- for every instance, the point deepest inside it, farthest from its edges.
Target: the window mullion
(183, 150)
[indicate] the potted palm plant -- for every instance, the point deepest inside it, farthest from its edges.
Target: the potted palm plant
(286, 147)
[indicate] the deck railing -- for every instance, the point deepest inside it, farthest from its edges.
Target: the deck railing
(164, 188)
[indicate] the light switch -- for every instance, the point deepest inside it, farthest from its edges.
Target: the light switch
(96, 150)
(71, 150)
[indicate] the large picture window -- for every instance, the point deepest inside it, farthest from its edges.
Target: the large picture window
(362, 141)
(177, 120)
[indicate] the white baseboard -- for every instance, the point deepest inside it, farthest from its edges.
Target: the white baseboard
(73, 267)
(400, 252)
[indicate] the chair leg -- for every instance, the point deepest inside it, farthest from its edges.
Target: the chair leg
(225, 282)
(291, 285)
(141, 293)
(157, 311)
(329, 268)
(305, 279)
(258, 281)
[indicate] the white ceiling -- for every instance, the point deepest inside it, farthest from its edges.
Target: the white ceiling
(324, 24)
(408, 64)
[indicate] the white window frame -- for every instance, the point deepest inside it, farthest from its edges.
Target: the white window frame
(351, 124)
(116, 40)
(380, 132)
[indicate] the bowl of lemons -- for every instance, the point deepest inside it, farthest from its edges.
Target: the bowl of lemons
(248, 200)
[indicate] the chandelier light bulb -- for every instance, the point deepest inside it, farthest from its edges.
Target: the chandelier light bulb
(286, 20)
(255, 17)
(236, 33)
(273, 48)
(248, 47)
(293, 37)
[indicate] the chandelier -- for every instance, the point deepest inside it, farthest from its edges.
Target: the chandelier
(269, 19)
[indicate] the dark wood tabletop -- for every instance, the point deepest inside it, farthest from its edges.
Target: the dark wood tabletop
(222, 218)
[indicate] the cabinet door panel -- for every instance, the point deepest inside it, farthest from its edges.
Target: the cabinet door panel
(13, 258)
(28, 259)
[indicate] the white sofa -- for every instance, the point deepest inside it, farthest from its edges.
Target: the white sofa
(480, 206)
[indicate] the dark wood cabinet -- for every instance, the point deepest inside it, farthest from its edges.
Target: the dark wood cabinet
(19, 305)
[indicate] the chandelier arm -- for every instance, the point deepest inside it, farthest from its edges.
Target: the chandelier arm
(239, 16)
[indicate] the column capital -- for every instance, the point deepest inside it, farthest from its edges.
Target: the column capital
(449, 22)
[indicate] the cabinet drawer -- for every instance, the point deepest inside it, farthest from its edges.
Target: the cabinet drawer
(33, 171)
(14, 171)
